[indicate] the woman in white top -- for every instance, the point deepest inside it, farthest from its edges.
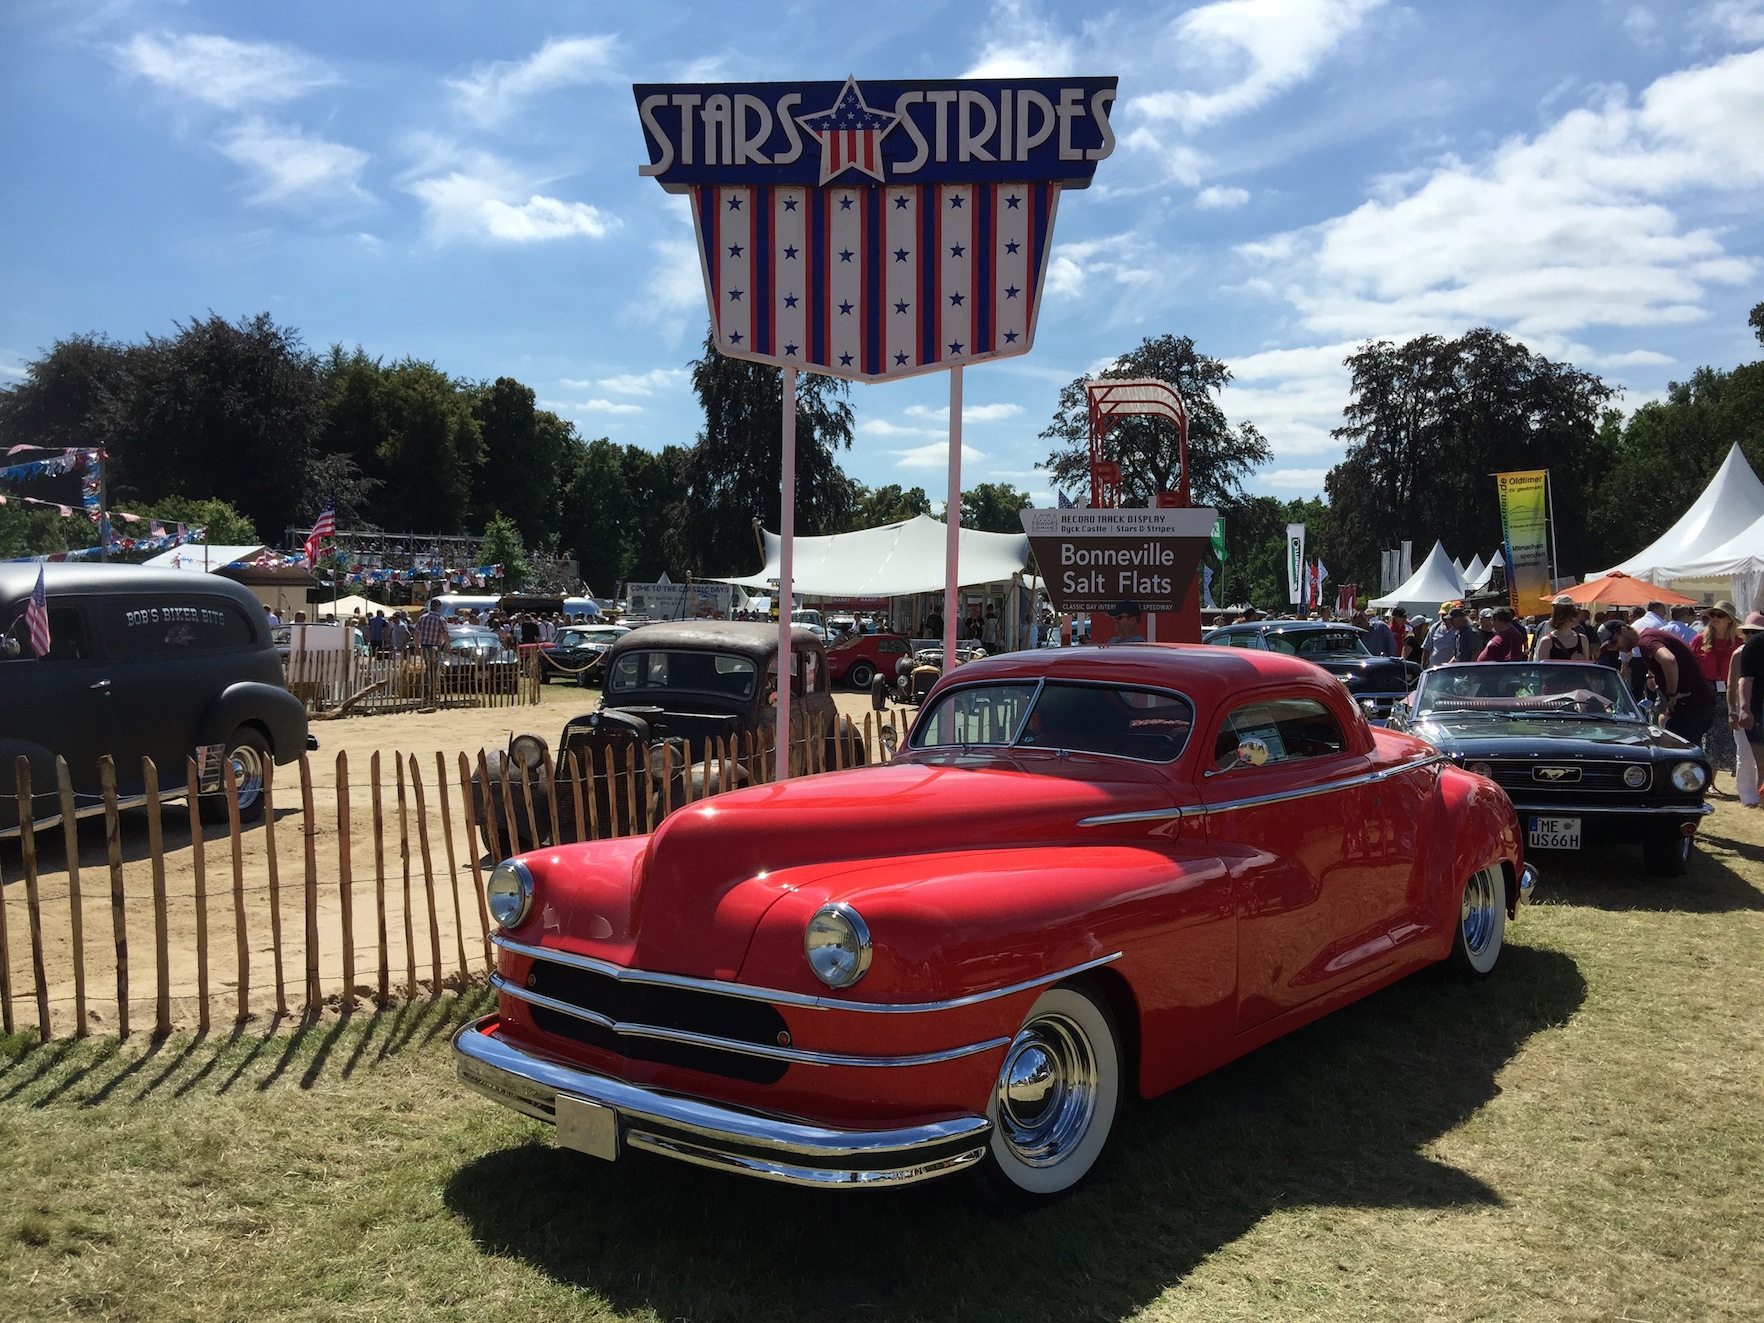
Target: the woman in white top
(1561, 641)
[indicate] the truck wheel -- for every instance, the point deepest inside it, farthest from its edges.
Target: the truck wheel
(861, 674)
(249, 753)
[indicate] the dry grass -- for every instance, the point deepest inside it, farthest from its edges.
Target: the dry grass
(1580, 1138)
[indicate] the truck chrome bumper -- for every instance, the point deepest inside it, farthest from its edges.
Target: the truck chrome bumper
(712, 1134)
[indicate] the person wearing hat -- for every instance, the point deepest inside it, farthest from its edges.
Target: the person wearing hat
(1745, 695)
(1380, 641)
(1127, 624)
(1714, 649)
(1452, 640)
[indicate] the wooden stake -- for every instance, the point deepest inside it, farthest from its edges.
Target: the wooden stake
(667, 787)
(422, 814)
(612, 794)
(275, 882)
(161, 925)
(70, 834)
(199, 867)
(404, 863)
(575, 778)
(346, 877)
(686, 781)
(385, 959)
(452, 861)
(588, 794)
(471, 821)
(230, 784)
(527, 803)
(509, 820)
(551, 798)
(27, 847)
(869, 744)
(118, 918)
(314, 996)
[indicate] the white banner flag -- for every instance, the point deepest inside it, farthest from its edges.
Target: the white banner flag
(1295, 563)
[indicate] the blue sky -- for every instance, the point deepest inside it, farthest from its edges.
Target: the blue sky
(458, 182)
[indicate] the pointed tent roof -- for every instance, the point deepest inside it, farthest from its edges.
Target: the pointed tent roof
(1458, 565)
(1741, 554)
(890, 561)
(1476, 574)
(1436, 581)
(1731, 503)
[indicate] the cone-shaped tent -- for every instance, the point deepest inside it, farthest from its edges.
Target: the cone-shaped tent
(1475, 574)
(1436, 581)
(1731, 503)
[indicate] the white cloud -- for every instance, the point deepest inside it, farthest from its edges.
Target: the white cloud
(1300, 480)
(882, 427)
(291, 166)
(1221, 199)
(471, 195)
(595, 405)
(934, 456)
(642, 383)
(492, 92)
(971, 413)
(675, 286)
(223, 72)
(1741, 20)
(1121, 260)
(1033, 48)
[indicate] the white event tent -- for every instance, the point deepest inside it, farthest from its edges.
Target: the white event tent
(891, 561)
(1436, 581)
(1475, 574)
(1731, 503)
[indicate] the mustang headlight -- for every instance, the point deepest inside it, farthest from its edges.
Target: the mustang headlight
(1635, 776)
(1688, 776)
(1482, 769)
(509, 892)
(837, 943)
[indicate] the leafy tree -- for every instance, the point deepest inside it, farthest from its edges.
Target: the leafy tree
(1756, 321)
(430, 449)
(1255, 539)
(656, 486)
(1430, 421)
(993, 507)
(594, 502)
(503, 546)
(81, 393)
(226, 526)
(522, 448)
(1220, 457)
(873, 507)
(731, 475)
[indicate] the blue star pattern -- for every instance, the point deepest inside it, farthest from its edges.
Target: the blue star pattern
(850, 134)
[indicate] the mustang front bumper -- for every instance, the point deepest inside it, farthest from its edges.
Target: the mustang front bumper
(711, 1134)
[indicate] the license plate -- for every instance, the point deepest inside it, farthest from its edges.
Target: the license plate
(1552, 833)
(587, 1127)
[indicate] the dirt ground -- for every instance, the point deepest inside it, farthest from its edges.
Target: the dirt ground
(409, 891)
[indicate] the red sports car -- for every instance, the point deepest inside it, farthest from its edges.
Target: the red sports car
(859, 658)
(1089, 872)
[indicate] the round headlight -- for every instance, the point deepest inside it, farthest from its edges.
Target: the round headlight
(527, 751)
(508, 893)
(1689, 776)
(1482, 769)
(837, 944)
(1635, 776)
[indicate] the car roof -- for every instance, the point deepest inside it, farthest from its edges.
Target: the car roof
(64, 580)
(1207, 675)
(752, 638)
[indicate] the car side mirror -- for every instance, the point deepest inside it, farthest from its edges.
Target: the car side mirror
(1251, 753)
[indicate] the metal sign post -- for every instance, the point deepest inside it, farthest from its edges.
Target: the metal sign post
(874, 232)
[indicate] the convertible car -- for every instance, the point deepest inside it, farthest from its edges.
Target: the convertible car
(1569, 745)
(1089, 874)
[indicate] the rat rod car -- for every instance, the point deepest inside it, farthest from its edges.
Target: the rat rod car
(668, 687)
(1570, 747)
(1090, 874)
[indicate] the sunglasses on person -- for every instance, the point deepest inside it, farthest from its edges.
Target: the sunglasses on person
(1719, 615)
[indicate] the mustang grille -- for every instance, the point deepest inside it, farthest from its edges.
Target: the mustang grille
(662, 1008)
(1529, 776)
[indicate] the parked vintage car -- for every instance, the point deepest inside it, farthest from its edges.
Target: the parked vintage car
(1568, 744)
(859, 658)
(478, 662)
(915, 673)
(575, 653)
(672, 683)
(164, 664)
(1338, 648)
(1093, 873)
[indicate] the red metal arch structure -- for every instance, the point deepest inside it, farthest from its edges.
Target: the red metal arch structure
(1113, 400)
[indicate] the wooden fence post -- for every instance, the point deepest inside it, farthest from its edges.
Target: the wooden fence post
(6, 1023)
(275, 881)
(452, 860)
(230, 784)
(118, 918)
(404, 864)
(70, 835)
(27, 847)
(575, 775)
(551, 798)
(199, 868)
(471, 819)
(314, 996)
(384, 984)
(346, 879)
(422, 814)
(161, 922)
(667, 788)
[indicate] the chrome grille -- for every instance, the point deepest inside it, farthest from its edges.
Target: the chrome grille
(1531, 775)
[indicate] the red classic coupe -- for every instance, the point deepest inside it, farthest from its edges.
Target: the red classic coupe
(1088, 872)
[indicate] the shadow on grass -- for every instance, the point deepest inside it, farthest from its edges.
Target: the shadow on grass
(1610, 877)
(1336, 1114)
(303, 1052)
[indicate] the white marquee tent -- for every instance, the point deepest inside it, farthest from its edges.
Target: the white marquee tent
(1731, 504)
(891, 561)
(1475, 574)
(1436, 581)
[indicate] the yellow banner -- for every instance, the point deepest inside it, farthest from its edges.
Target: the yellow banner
(1525, 533)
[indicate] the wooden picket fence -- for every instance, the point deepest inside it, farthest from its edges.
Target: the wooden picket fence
(341, 684)
(353, 888)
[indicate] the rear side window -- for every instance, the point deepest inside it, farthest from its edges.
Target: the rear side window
(149, 626)
(69, 638)
(1290, 727)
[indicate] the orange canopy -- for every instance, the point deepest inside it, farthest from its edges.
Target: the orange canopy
(1618, 589)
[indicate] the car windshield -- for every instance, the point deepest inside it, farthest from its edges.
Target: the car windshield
(1144, 724)
(705, 672)
(1506, 689)
(1316, 642)
(475, 641)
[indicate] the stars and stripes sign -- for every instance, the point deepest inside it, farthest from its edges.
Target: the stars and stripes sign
(875, 282)
(324, 527)
(37, 617)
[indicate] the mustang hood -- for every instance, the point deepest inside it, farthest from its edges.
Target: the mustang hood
(1568, 737)
(715, 868)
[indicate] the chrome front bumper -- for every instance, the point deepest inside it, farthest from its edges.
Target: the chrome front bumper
(1527, 885)
(712, 1134)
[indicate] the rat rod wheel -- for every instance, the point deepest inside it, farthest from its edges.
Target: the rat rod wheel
(1055, 1099)
(1482, 923)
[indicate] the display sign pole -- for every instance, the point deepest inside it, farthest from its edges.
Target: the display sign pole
(952, 520)
(786, 571)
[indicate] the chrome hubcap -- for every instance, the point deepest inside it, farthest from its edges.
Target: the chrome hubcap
(1046, 1091)
(247, 774)
(1477, 915)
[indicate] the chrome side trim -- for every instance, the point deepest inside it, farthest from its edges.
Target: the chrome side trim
(1596, 810)
(711, 1133)
(1149, 815)
(796, 1056)
(782, 998)
(1364, 779)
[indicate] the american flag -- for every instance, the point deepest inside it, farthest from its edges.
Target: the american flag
(850, 134)
(1065, 501)
(37, 617)
(324, 527)
(874, 282)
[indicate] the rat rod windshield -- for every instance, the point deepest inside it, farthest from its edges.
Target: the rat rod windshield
(1147, 725)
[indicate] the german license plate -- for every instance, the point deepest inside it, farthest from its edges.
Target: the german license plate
(587, 1127)
(1552, 833)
